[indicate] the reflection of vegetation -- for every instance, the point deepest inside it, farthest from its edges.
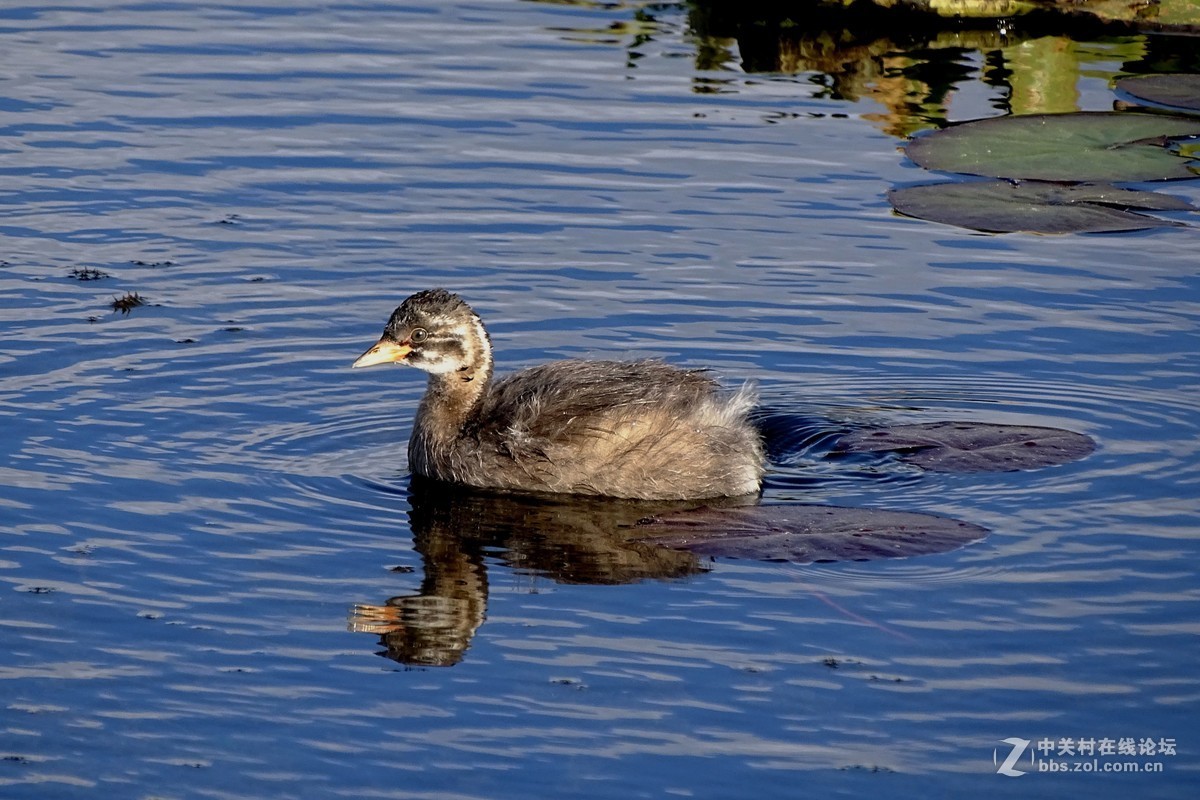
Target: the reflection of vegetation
(910, 56)
(632, 34)
(1044, 75)
(966, 8)
(1175, 15)
(911, 61)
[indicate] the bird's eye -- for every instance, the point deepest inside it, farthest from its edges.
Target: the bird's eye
(418, 335)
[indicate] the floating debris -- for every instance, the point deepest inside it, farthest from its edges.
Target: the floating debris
(88, 274)
(128, 303)
(140, 263)
(230, 219)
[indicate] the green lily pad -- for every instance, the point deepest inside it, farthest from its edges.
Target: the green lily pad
(804, 534)
(972, 446)
(1177, 91)
(1086, 146)
(1002, 206)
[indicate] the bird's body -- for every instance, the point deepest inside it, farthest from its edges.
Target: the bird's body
(634, 429)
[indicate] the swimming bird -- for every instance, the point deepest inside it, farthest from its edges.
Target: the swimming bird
(631, 429)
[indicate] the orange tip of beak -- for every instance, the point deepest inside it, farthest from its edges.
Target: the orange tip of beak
(385, 351)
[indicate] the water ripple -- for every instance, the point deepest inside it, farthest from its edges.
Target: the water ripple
(209, 534)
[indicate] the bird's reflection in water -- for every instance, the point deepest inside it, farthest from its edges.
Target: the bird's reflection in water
(568, 539)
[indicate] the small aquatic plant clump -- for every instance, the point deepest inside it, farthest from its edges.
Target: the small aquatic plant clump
(88, 274)
(130, 301)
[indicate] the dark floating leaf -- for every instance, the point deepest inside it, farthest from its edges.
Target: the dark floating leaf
(1035, 206)
(1178, 90)
(973, 446)
(128, 303)
(807, 533)
(1085, 146)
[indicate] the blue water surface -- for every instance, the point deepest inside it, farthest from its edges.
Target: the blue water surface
(206, 515)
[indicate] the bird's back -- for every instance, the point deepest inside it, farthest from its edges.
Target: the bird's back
(640, 429)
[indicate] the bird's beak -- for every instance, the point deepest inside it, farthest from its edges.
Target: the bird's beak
(385, 351)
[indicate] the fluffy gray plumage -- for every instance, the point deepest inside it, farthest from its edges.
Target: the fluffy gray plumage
(638, 429)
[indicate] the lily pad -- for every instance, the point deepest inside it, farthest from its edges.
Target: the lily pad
(807, 533)
(972, 446)
(1086, 146)
(1177, 91)
(1002, 206)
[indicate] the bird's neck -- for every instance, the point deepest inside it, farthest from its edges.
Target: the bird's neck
(452, 397)
(444, 420)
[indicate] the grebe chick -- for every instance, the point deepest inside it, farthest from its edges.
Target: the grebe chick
(633, 429)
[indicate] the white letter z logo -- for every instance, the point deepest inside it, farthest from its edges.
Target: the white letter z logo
(1018, 750)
